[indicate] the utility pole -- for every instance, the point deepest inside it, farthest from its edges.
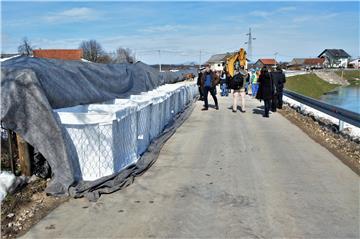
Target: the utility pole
(160, 60)
(275, 54)
(249, 43)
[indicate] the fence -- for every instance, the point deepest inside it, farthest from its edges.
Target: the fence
(342, 115)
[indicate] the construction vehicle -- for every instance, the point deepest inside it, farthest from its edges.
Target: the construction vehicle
(236, 61)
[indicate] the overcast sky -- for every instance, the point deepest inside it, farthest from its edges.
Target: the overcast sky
(181, 30)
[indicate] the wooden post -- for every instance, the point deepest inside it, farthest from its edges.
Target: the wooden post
(11, 155)
(24, 156)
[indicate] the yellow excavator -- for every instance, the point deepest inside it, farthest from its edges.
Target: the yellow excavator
(238, 59)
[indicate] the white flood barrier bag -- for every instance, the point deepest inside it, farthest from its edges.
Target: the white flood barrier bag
(105, 138)
(157, 112)
(144, 104)
(102, 138)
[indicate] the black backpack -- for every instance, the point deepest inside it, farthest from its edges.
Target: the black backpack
(238, 81)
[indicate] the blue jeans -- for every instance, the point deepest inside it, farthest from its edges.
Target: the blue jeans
(254, 89)
(224, 91)
(212, 91)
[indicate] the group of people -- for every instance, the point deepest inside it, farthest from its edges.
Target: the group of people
(266, 85)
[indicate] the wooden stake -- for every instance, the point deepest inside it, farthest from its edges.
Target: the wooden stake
(11, 155)
(24, 156)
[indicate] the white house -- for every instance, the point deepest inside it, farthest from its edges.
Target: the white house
(217, 62)
(355, 63)
(335, 58)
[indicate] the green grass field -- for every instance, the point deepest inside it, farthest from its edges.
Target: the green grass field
(351, 76)
(309, 85)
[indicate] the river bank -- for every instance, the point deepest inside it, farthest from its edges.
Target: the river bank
(347, 97)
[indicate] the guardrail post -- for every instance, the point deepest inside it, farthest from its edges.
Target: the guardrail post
(341, 125)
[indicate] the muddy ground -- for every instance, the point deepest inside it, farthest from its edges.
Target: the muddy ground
(25, 208)
(340, 144)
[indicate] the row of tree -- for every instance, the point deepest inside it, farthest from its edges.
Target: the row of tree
(92, 51)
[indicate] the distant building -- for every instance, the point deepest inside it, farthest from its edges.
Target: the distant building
(217, 62)
(63, 54)
(297, 63)
(355, 63)
(335, 58)
(307, 63)
(265, 62)
(5, 55)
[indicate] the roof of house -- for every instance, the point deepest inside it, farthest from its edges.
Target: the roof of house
(297, 61)
(218, 58)
(268, 61)
(314, 61)
(335, 53)
(64, 54)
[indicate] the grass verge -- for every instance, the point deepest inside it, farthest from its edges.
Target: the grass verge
(309, 84)
(352, 76)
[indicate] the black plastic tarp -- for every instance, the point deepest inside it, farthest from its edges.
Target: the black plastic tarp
(32, 87)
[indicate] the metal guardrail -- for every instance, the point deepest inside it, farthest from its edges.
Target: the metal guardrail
(343, 115)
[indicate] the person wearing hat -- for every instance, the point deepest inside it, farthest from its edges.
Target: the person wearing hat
(209, 80)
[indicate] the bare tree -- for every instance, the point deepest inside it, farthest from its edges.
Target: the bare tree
(25, 47)
(105, 59)
(123, 55)
(92, 50)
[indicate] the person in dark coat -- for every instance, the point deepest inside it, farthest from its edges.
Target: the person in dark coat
(208, 82)
(237, 84)
(199, 85)
(279, 80)
(266, 89)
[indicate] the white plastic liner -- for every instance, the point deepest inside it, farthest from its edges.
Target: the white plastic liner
(105, 138)
(102, 138)
(143, 119)
(158, 113)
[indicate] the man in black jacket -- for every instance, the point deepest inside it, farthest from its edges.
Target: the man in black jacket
(208, 82)
(199, 84)
(279, 81)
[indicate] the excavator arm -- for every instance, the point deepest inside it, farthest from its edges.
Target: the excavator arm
(238, 56)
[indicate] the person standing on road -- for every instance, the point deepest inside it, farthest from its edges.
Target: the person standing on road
(265, 89)
(237, 85)
(254, 83)
(199, 85)
(223, 84)
(273, 103)
(279, 81)
(247, 83)
(209, 80)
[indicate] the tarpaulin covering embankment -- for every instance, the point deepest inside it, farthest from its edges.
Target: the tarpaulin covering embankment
(31, 88)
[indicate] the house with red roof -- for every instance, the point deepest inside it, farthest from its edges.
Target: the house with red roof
(266, 62)
(63, 54)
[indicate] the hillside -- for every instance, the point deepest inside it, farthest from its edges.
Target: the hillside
(352, 76)
(309, 85)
